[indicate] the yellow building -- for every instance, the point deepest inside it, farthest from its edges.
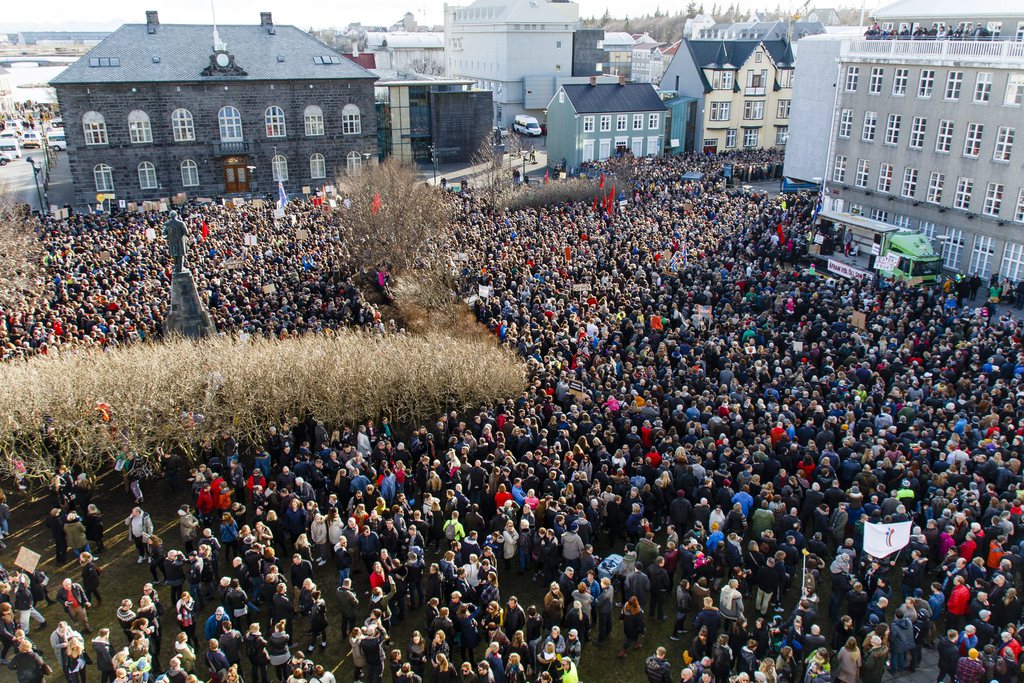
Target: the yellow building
(746, 87)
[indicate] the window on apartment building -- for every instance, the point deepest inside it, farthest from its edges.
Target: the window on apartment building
(845, 123)
(954, 81)
(867, 133)
(927, 83)
(981, 256)
(839, 169)
(927, 229)
(750, 137)
(936, 181)
(875, 81)
(993, 199)
(638, 121)
(1014, 90)
(753, 110)
(1018, 212)
(863, 169)
(786, 78)
(972, 141)
(909, 188)
(952, 248)
(892, 129)
(606, 123)
(588, 124)
(722, 80)
(784, 107)
(1004, 143)
(944, 138)
(900, 220)
(852, 75)
(884, 178)
(899, 82)
(983, 87)
(621, 122)
(962, 198)
(653, 121)
(95, 128)
(781, 135)
(917, 130)
(1012, 266)
(730, 138)
(879, 215)
(720, 111)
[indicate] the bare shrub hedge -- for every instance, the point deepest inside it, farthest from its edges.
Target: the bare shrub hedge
(172, 394)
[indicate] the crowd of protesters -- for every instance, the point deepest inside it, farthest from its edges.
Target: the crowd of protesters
(938, 31)
(703, 439)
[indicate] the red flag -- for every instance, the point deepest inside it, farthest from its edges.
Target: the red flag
(545, 177)
(375, 207)
(600, 185)
(782, 235)
(595, 203)
(204, 232)
(568, 253)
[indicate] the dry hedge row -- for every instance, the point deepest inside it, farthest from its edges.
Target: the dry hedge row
(174, 393)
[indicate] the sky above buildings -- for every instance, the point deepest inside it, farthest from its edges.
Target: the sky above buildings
(108, 14)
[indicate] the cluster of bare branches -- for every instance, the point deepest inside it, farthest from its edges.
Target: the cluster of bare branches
(393, 222)
(492, 179)
(82, 409)
(21, 252)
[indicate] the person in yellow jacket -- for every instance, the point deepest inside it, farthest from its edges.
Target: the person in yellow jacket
(569, 671)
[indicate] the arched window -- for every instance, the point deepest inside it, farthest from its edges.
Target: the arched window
(230, 125)
(182, 125)
(95, 128)
(351, 123)
(104, 177)
(317, 166)
(147, 176)
(354, 163)
(274, 118)
(189, 173)
(139, 130)
(279, 168)
(314, 120)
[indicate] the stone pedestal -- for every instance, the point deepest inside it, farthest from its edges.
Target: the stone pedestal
(187, 316)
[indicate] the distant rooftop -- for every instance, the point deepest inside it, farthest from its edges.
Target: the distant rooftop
(946, 9)
(424, 40)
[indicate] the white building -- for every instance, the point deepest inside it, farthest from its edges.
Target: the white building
(518, 49)
(922, 134)
(6, 97)
(422, 51)
(696, 24)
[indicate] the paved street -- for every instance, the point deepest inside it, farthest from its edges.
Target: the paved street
(16, 176)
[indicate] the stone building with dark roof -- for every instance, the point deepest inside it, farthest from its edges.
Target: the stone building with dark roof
(160, 109)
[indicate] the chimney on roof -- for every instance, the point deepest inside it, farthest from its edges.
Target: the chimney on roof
(622, 79)
(593, 80)
(267, 21)
(355, 48)
(152, 21)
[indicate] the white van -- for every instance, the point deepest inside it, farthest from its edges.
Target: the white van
(526, 125)
(55, 140)
(31, 138)
(9, 149)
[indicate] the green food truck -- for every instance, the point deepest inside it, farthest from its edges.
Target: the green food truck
(899, 253)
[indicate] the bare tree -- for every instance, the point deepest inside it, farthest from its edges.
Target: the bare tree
(393, 221)
(426, 65)
(491, 179)
(21, 252)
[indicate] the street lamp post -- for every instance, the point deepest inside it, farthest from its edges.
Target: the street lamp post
(433, 159)
(35, 176)
(252, 180)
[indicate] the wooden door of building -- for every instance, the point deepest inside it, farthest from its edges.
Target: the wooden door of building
(236, 175)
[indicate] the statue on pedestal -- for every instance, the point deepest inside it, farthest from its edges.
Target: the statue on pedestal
(176, 234)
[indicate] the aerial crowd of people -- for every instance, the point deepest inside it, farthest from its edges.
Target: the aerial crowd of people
(703, 439)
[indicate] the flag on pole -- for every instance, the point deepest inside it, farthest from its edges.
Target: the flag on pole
(882, 540)
(600, 185)
(545, 177)
(782, 235)
(282, 196)
(204, 231)
(817, 206)
(595, 204)
(375, 207)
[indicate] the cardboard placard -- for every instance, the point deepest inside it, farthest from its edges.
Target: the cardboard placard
(859, 320)
(204, 200)
(461, 257)
(305, 189)
(798, 346)
(249, 239)
(163, 207)
(27, 559)
(150, 234)
(704, 312)
(485, 291)
(278, 213)
(233, 263)
(269, 289)
(576, 389)
(258, 203)
(580, 287)
(238, 201)
(121, 204)
(333, 203)
(179, 198)
(301, 235)
(329, 189)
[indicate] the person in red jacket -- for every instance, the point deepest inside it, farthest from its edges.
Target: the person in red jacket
(204, 504)
(959, 600)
